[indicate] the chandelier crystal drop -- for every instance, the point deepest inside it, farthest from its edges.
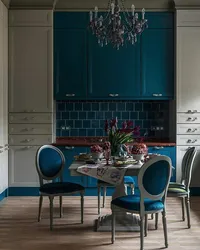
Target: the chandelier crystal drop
(118, 25)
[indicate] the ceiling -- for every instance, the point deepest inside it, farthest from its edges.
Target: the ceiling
(102, 4)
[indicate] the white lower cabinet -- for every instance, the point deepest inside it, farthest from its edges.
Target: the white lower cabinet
(22, 169)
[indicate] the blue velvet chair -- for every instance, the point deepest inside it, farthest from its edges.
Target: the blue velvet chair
(128, 182)
(153, 181)
(50, 163)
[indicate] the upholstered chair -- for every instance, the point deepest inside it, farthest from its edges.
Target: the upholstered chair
(50, 163)
(128, 182)
(153, 181)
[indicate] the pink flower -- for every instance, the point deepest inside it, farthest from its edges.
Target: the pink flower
(96, 149)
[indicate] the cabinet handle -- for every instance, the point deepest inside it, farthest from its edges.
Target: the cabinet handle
(28, 147)
(69, 148)
(189, 141)
(189, 111)
(194, 119)
(158, 147)
(189, 130)
(194, 141)
(157, 94)
(70, 95)
(113, 95)
(25, 118)
(27, 140)
(194, 130)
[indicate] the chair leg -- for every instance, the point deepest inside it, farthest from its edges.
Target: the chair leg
(104, 196)
(40, 207)
(165, 227)
(141, 233)
(82, 207)
(61, 208)
(152, 216)
(51, 211)
(146, 225)
(156, 221)
(183, 208)
(113, 226)
(99, 200)
(187, 204)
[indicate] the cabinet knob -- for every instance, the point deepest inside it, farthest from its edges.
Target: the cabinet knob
(69, 148)
(158, 147)
(113, 95)
(155, 94)
(70, 95)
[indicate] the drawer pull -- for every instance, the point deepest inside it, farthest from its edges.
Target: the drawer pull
(189, 130)
(25, 118)
(194, 111)
(158, 147)
(28, 140)
(194, 141)
(69, 148)
(113, 95)
(189, 111)
(194, 130)
(28, 147)
(70, 95)
(189, 141)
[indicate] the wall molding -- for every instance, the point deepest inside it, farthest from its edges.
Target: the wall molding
(4, 194)
(185, 4)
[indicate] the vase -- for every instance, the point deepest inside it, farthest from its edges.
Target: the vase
(138, 157)
(97, 156)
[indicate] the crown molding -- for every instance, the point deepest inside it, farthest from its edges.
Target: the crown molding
(6, 3)
(185, 4)
(80, 5)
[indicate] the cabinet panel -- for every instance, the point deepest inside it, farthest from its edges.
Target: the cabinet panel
(30, 18)
(30, 69)
(168, 151)
(30, 139)
(188, 118)
(190, 129)
(22, 169)
(188, 70)
(157, 62)
(113, 74)
(190, 140)
(30, 118)
(31, 129)
(70, 64)
(189, 18)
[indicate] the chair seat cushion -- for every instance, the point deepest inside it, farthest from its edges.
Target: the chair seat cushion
(132, 202)
(175, 184)
(127, 180)
(60, 188)
(177, 191)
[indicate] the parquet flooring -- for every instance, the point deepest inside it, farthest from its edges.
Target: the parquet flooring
(19, 229)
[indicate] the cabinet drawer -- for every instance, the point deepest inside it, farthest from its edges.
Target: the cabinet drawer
(30, 139)
(30, 129)
(30, 118)
(188, 118)
(189, 129)
(190, 140)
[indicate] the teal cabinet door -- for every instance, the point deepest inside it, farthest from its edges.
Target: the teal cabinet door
(157, 64)
(113, 74)
(70, 64)
(168, 151)
(69, 153)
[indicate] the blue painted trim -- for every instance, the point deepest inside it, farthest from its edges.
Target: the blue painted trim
(4, 194)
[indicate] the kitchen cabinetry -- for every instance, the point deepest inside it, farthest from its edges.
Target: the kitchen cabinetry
(168, 151)
(30, 91)
(187, 82)
(3, 97)
(69, 153)
(114, 74)
(84, 70)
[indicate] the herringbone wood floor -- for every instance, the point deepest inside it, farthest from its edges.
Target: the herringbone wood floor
(19, 228)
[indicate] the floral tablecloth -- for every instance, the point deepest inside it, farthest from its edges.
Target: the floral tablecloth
(109, 174)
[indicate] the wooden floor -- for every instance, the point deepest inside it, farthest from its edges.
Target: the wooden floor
(19, 228)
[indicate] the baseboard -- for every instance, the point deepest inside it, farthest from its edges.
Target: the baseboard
(34, 191)
(4, 194)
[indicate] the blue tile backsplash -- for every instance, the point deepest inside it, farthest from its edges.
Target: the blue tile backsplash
(86, 118)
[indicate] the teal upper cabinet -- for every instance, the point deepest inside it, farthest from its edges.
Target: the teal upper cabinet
(113, 74)
(157, 57)
(70, 59)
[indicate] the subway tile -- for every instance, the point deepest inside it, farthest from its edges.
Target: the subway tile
(95, 106)
(82, 132)
(65, 115)
(73, 115)
(74, 132)
(78, 106)
(58, 132)
(78, 123)
(69, 106)
(65, 133)
(69, 123)
(91, 132)
(87, 106)
(60, 123)
(125, 115)
(142, 115)
(134, 115)
(130, 106)
(108, 115)
(138, 123)
(95, 123)
(138, 106)
(121, 106)
(91, 115)
(58, 115)
(61, 107)
(112, 106)
(104, 106)
(82, 115)
(117, 114)
(147, 106)
(100, 115)
(99, 132)
(86, 124)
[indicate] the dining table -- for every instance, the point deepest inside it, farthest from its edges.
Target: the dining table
(114, 175)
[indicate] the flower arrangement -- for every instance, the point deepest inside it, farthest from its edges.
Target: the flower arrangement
(107, 153)
(139, 148)
(120, 136)
(96, 149)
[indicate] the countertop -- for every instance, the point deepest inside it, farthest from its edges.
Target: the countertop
(88, 141)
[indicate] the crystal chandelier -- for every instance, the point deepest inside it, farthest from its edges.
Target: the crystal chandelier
(118, 25)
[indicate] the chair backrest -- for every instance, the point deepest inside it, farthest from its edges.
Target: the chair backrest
(153, 179)
(50, 163)
(186, 167)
